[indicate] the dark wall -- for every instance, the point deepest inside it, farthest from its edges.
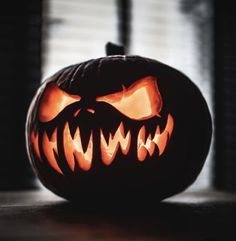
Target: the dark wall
(20, 68)
(225, 94)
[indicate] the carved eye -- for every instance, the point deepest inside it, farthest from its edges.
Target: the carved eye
(53, 101)
(140, 101)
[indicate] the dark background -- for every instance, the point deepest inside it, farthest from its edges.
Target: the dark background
(20, 61)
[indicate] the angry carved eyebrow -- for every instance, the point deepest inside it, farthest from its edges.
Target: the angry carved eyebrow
(140, 101)
(53, 101)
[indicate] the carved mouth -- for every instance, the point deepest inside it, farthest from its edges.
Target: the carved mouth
(76, 151)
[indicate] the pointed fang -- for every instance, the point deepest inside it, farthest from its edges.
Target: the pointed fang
(50, 149)
(110, 148)
(147, 145)
(73, 149)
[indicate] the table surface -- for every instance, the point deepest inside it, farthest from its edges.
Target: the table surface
(205, 215)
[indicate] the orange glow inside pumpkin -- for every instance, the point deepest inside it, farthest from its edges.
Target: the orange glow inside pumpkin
(159, 139)
(74, 150)
(110, 148)
(50, 149)
(53, 101)
(140, 101)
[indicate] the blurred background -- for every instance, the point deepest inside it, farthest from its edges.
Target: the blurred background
(38, 38)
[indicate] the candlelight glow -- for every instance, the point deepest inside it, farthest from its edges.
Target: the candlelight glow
(140, 101)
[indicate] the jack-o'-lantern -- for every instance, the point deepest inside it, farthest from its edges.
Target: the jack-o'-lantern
(118, 127)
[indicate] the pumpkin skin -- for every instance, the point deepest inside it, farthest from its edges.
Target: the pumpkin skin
(77, 110)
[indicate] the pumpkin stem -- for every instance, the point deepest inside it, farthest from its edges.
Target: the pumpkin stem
(114, 49)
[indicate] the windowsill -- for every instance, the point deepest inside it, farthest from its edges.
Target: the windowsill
(44, 197)
(191, 215)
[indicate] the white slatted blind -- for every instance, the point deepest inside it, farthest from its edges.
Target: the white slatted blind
(76, 31)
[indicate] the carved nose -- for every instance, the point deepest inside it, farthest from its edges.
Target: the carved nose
(91, 110)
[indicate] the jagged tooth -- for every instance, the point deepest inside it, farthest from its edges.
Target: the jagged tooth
(159, 139)
(110, 136)
(128, 139)
(152, 148)
(141, 150)
(117, 141)
(50, 150)
(142, 153)
(84, 157)
(162, 142)
(75, 152)
(68, 147)
(149, 138)
(157, 132)
(54, 135)
(121, 128)
(102, 137)
(142, 134)
(162, 124)
(150, 145)
(90, 143)
(79, 158)
(107, 158)
(77, 135)
(169, 124)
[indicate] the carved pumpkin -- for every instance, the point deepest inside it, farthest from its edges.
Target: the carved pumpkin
(118, 126)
